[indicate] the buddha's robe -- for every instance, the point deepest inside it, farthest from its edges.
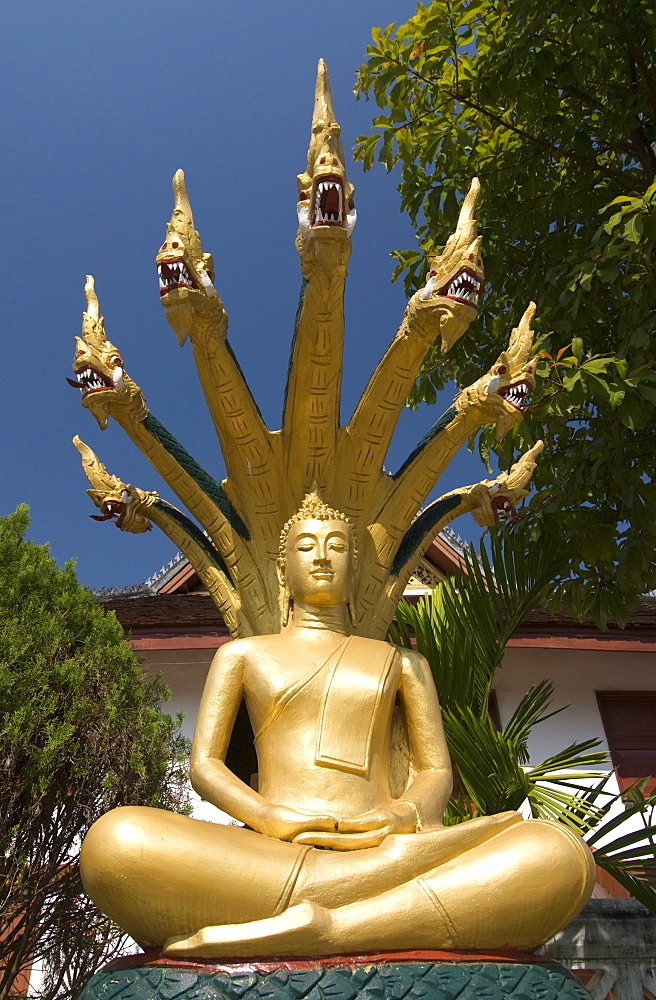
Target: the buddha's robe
(496, 881)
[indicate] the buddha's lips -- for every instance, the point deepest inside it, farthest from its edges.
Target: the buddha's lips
(89, 381)
(328, 206)
(174, 274)
(465, 287)
(518, 394)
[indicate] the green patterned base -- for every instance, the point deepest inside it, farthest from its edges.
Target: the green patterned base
(371, 978)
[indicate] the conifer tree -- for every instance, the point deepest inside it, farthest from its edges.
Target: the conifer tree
(81, 732)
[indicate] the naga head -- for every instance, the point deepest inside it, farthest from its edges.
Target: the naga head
(496, 499)
(455, 278)
(326, 211)
(98, 368)
(186, 274)
(503, 393)
(114, 499)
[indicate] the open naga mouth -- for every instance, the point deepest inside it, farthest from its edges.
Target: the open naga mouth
(89, 380)
(518, 395)
(328, 202)
(174, 274)
(113, 508)
(502, 507)
(464, 287)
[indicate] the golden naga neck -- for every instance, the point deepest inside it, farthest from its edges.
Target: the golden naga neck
(328, 619)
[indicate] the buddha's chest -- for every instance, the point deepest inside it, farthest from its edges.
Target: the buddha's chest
(330, 708)
(285, 667)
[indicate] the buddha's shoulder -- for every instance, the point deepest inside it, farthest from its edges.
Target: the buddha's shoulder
(380, 646)
(407, 658)
(237, 647)
(412, 660)
(253, 646)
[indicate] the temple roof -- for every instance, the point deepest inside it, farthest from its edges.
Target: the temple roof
(195, 616)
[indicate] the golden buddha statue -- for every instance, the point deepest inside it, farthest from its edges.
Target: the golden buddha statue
(335, 860)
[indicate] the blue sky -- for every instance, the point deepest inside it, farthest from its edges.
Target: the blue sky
(101, 104)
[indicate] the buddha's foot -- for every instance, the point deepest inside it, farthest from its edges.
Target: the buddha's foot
(301, 929)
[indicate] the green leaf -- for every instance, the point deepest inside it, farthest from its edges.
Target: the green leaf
(633, 229)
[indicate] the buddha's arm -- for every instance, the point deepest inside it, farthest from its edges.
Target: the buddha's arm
(209, 775)
(430, 767)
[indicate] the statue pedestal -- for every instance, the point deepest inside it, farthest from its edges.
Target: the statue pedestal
(417, 975)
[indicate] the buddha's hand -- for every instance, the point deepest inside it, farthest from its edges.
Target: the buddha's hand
(284, 823)
(399, 817)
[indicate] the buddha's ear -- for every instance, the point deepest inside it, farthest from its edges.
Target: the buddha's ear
(286, 609)
(280, 572)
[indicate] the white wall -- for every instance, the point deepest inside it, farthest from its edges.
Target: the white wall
(576, 674)
(184, 671)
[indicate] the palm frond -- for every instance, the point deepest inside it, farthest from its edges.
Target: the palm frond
(459, 809)
(486, 761)
(463, 627)
(573, 756)
(531, 710)
(629, 857)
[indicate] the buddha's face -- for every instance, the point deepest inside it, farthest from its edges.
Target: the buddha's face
(319, 562)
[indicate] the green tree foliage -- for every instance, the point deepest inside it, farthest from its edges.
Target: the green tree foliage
(462, 629)
(553, 106)
(80, 733)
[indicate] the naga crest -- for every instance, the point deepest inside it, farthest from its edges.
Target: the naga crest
(455, 278)
(504, 392)
(232, 535)
(116, 500)
(186, 273)
(98, 367)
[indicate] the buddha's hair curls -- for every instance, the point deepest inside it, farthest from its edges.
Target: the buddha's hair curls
(313, 506)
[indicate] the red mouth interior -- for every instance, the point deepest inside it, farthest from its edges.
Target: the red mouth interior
(89, 381)
(328, 204)
(503, 509)
(518, 394)
(174, 274)
(113, 508)
(464, 287)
